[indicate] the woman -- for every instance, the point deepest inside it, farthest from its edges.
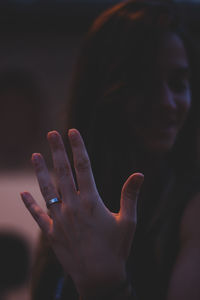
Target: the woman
(135, 101)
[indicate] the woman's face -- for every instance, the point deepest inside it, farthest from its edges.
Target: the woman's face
(157, 113)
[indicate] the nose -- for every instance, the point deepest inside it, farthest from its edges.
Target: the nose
(166, 97)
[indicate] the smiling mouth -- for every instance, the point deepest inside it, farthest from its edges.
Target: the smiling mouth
(165, 124)
(168, 127)
(164, 131)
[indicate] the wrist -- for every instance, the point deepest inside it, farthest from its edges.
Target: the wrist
(113, 291)
(98, 286)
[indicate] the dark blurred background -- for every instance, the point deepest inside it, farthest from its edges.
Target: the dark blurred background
(39, 43)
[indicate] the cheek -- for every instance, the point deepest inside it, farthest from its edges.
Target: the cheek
(184, 105)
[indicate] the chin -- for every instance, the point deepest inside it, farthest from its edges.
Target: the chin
(160, 147)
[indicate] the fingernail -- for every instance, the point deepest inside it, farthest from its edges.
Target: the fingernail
(53, 135)
(35, 157)
(139, 180)
(23, 196)
(72, 133)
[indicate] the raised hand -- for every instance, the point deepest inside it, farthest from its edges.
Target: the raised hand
(91, 243)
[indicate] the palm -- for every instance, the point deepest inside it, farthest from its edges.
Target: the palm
(91, 243)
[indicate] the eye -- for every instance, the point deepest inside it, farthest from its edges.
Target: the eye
(179, 85)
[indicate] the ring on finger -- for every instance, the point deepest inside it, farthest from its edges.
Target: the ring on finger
(52, 201)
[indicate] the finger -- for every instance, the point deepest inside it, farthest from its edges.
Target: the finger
(82, 164)
(42, 219)
(62, 166)
(44, 179)
(129, 197)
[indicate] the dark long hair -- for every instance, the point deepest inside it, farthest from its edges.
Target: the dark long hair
(117, 59)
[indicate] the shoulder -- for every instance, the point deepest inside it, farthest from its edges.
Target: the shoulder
(184, 279)
(190, 221)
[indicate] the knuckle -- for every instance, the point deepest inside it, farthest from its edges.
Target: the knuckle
(30, 205)
(39, 167)
(131, 194)
(70, 210)
(37, 214)
(83, 164)
(47, 192)
(45, 189)
(37, 211)
(63, 170)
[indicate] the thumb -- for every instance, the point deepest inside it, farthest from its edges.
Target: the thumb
(129, 196)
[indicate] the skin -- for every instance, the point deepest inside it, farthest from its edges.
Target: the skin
(96, 242)
(92, 243)
(165, 107)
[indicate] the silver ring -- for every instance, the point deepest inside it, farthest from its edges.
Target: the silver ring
(52, 201)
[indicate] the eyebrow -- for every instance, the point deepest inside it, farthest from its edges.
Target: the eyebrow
(183, 70)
